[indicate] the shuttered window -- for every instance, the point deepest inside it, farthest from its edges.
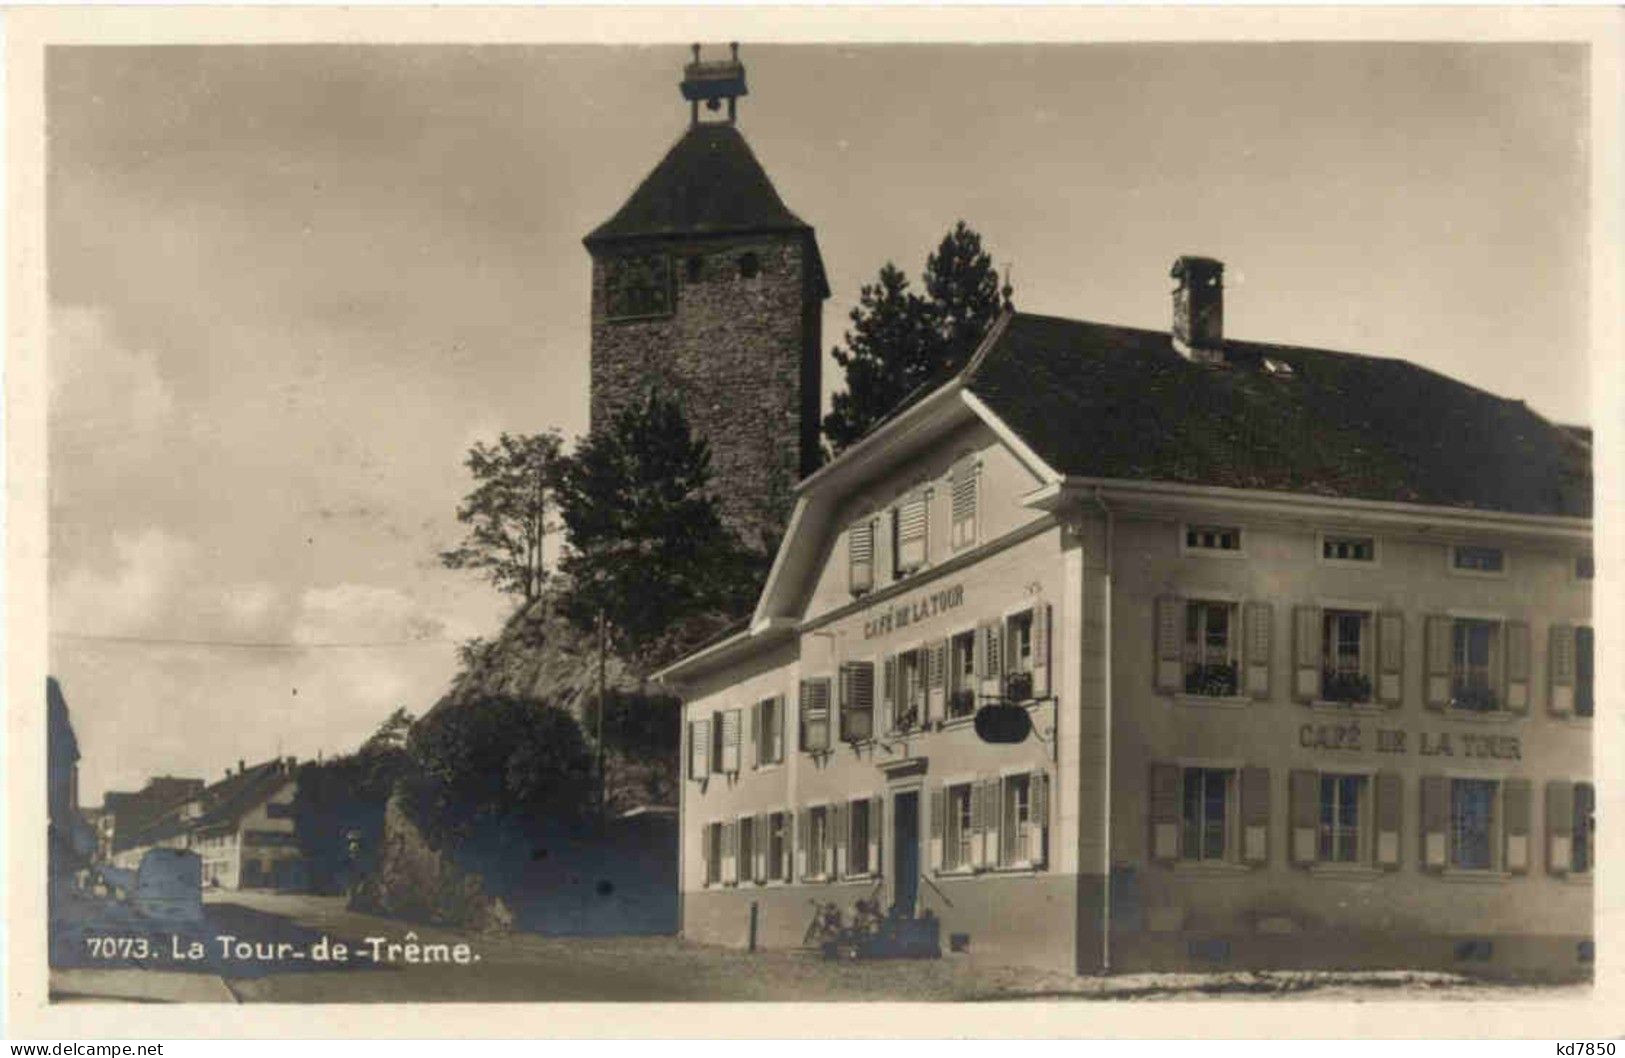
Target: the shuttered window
(699, 749)
(858, 836)
(960, 828)
(1206, 796)
(860, 551)
(731, 739)
(908, 705)
(962, 675)
(778, 846)
(712, 853)
(814, 715)
(1210, 656)
(912, 531)
(1342, 834)
(964, 484)
(1473, 824)
(857, 701)
(768, 730)
(820, 852)
(1475, 665)
(1347, 655)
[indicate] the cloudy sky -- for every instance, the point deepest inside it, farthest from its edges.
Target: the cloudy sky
(289, 285)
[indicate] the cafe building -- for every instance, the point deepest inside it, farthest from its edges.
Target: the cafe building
(1303, 638)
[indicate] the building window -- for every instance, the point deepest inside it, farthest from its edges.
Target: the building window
(1346, 656)
(814, 715)
(860, 553)
(1475, 665)
(910, 705)
(713, 853)
(961, 829)
(1472, 559)
(1210, 649)
(1348, 548)
(962, 675)
(857, 691)
(770, 731)
(1017, 832)
(778, 847)
(746, 852)
(909, 533)
(964, 481)
(1205, 806)
(857, 838)
(1212, 538)
(1473, 824)
(1585, 827)
(1342, 819)
(818, 846)
(1584, 692)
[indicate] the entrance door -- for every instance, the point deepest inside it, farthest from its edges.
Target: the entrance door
(906, 841)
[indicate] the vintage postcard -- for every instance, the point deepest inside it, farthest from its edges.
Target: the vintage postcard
(583, 510)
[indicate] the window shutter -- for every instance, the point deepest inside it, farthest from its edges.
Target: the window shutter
(1438, 659)
(990, 643)
(1306, 653)
(936, 689)
(992, 820)
(860, 546)
(1517, 689)
(978, 824)
(803, 832)
(1255, 815)
(962, 487)
(840, 826)
(1559, 826)
(1435, 821)
(1584, 671)
(815, 714)
(886, 545)
(1041, 640)
(730, 741)
(699, 749)
(706, 837)
(718, 741)
(1305, 815)
(939, 818)
(730, 850)
(1515, 810)
(1170, 644)
(1038, 787)
(875, 810)
(1561, 663)
(859, 710)
(756, 755)
(1390, 813)
(1165, 811)
(759, 847)
(1260, 624)
(890, 699)
(912, 529)
(1390, 659)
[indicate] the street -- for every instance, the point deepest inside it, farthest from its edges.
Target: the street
(285, 948)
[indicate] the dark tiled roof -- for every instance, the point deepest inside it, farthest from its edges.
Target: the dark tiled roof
(709, 183)
(224, 803)
(1096, 400)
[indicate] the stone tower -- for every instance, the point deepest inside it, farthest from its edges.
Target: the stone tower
(706, 286)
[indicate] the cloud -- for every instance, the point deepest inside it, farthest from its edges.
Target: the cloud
(129, 599)
(362, 612)
(100, 389)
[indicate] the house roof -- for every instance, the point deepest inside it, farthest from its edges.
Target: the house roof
(1102, 401)
(224, 803)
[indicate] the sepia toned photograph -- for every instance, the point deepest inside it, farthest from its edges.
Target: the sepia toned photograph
(773, 521)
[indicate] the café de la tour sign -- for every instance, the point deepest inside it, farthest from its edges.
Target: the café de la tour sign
(914, 610)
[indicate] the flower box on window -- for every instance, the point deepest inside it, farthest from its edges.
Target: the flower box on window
(908, 718)
(962, 703)
(1213, 681)
(1345, 686)
(1018, 686)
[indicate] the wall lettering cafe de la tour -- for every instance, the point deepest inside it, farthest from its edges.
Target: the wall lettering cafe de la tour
(1303, 636)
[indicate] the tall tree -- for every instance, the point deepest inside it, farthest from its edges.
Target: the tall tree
(901, 340)
(508, 513)
(647, 546)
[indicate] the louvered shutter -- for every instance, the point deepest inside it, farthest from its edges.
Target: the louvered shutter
(1517, 670)
(1165, 812)
(803, 833)
(1260, 624)
(1584, 671)
(1306, 652)
(718, 741)
(886, 545)
(861, 556)
(1169, 641)
(707, 836)
(699, 749)
(939, 818)
(756, 735)
(990, 644)
(1390, 814)
(1561, 663)
(1559, 826)
(891, 701)
(1038, 795)
(1305, 790)
(1515, 796)
(936, 707)
(875, 811)
(1438, 662)
(1435, 822)
(1390, 659)
(815, 715)
(912, 531)
(731, 722)
(840, 826)
(1041, 650)
(1255, 815)
(863, 700)
(992, 822)
(962, 486)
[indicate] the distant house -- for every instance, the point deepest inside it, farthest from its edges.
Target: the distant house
(241, 827)
(125, 815)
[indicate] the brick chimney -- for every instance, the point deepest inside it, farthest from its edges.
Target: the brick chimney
(1198, 328)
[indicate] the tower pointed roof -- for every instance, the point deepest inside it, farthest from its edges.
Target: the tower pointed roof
(709, 183)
